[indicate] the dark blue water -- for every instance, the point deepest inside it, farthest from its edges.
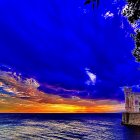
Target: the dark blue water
(65, 127)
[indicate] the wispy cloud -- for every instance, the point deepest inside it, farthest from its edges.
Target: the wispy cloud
(27, 98)
(92, 77)
(108, 14)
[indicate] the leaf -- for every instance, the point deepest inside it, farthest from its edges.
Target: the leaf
(97, 1)
(93, 5)
(87, 2)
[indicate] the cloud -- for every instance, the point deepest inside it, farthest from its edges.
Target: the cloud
(27, 98)
(92, 77)
(108, 15)
(58, 49)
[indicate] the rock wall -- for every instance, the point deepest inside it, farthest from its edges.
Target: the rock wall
(131, 118)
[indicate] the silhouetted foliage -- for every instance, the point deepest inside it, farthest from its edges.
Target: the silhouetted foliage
(93, 2)
(136, 51)
(132, 12)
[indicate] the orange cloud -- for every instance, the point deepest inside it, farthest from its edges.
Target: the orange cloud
(27, 98)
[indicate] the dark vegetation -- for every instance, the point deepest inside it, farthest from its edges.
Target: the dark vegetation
(132, 12)
(93, 2)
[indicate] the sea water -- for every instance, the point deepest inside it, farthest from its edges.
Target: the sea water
(65, 127)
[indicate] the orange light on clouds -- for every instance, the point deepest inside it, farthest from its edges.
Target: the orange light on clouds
(14, 105)
(28, 99)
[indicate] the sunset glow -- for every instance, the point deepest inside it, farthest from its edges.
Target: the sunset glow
(26, 98)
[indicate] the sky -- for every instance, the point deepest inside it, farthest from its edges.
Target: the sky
(64, 56)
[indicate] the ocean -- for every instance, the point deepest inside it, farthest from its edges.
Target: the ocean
(65, 127)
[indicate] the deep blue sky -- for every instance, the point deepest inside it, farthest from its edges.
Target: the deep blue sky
(59, 41)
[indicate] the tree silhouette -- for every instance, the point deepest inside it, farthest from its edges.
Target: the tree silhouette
(132, 12)
(93, 2)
